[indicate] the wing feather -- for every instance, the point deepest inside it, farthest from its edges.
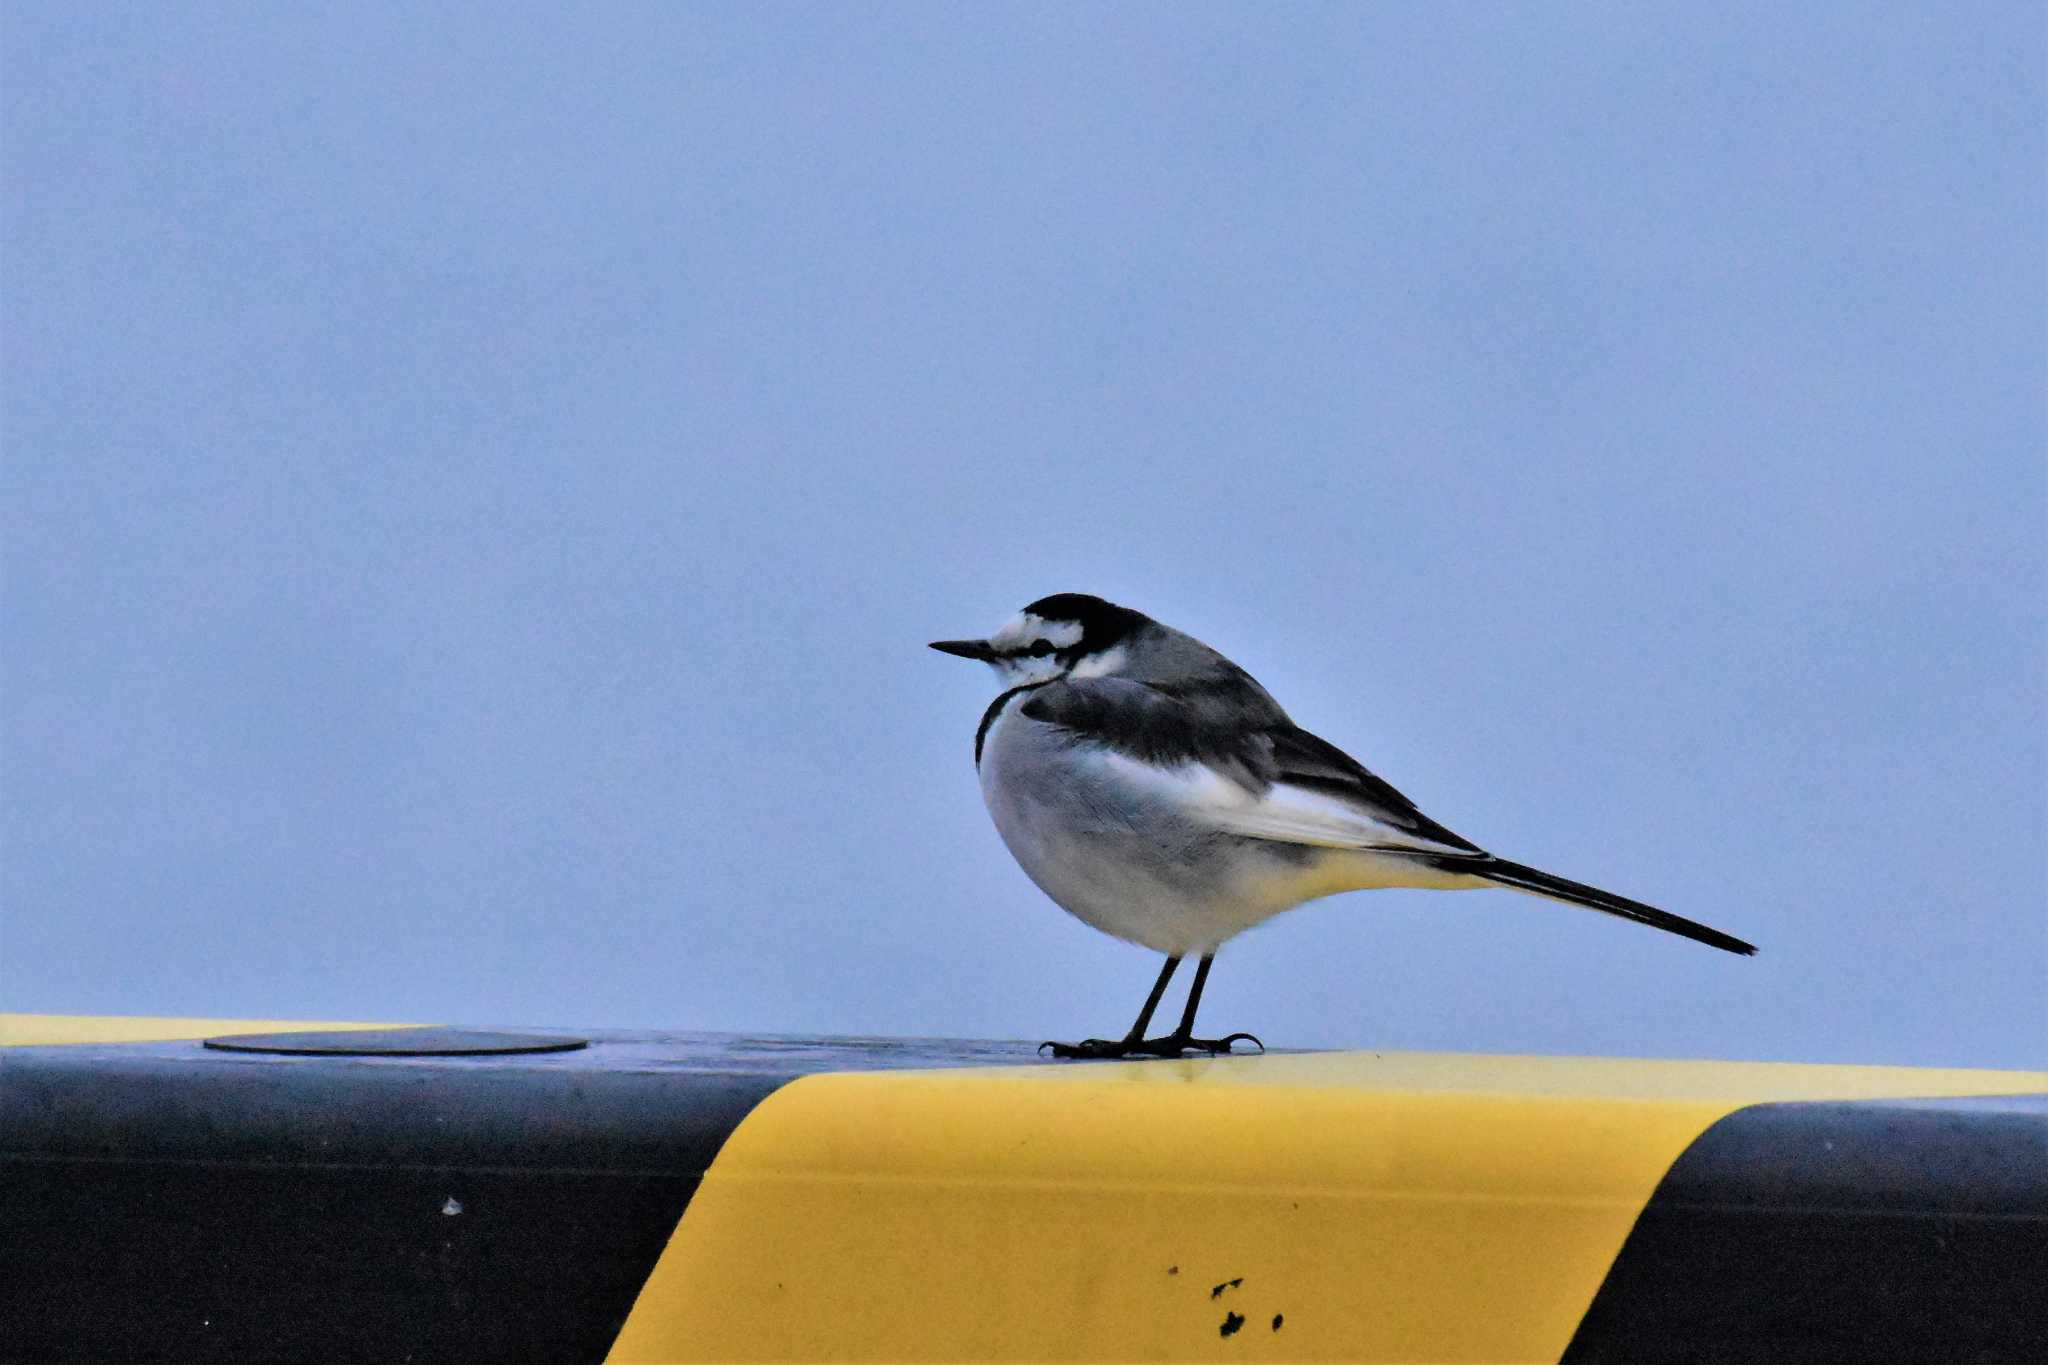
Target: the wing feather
(1315, 765)
(1246, 768)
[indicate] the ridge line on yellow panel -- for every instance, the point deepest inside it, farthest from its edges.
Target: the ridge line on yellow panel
(1388, 1207)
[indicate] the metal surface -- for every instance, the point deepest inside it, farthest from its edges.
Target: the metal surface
(1363, 1206)
(1840, 1233)
(685, 1196)
(168, 1201)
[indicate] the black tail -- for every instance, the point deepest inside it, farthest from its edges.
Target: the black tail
(1592, 897)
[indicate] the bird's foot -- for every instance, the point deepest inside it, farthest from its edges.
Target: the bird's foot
(1099, 1048)
(1173, 1045)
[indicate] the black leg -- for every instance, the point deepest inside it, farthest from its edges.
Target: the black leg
(1174, 1044)
(1152, 1000)
(1101, 1047)
(1187, 1016)
(1183, 1038)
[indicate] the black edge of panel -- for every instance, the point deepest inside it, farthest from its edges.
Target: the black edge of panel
(166, 1201)
(1839, 1234)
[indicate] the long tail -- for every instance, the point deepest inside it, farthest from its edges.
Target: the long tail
(1523, 878)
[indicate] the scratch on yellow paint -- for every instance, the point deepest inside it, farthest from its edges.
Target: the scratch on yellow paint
(1384, 1207)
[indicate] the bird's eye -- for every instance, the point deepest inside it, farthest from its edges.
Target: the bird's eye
(1041, 648)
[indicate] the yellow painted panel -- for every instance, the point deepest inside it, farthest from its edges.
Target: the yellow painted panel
(1385, 1207)
(41, 1030)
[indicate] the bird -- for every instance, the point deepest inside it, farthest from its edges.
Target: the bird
(1155, 791)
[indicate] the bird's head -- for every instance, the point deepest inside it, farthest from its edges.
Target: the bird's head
(1069, 633)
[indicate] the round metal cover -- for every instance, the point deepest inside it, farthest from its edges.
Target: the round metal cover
(398, 1042)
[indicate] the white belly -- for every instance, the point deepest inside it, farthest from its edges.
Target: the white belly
(1120, 856)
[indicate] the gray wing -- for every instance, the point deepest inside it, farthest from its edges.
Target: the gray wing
(1306, 790)
(1154, 725)
(1316, 765)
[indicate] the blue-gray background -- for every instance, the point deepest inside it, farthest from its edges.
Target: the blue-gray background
(478, 482)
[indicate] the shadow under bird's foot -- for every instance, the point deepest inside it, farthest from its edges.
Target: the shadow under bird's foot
(1173, 1045)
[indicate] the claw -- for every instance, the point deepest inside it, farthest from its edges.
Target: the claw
(1173, 1045)
(1087, 1048)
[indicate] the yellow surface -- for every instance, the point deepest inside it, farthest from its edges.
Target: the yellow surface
(39, 1030)
(1384, 1207)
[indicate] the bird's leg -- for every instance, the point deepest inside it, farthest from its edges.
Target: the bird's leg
(1144, 1020)
(1182, 1039)
(1100, 1047)
(1173, 1044)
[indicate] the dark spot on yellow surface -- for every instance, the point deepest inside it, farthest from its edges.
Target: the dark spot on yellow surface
(1217, 1292)
(1173, 1270)
(1231, 1322)
(1278, 1318)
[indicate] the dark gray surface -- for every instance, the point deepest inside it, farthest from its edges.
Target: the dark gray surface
(1839, 1234)
(649, 1100)
(169, 1201)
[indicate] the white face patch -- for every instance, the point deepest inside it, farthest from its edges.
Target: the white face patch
(1029, 645)
(1012, 633)
(1061, 634)
(1024, 630)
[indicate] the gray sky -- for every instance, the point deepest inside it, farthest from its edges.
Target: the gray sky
(478, 483)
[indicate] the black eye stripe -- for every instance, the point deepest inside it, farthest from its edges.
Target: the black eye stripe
(1036, 649)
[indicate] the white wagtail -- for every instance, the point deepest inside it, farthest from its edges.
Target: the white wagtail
(1154, 790)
